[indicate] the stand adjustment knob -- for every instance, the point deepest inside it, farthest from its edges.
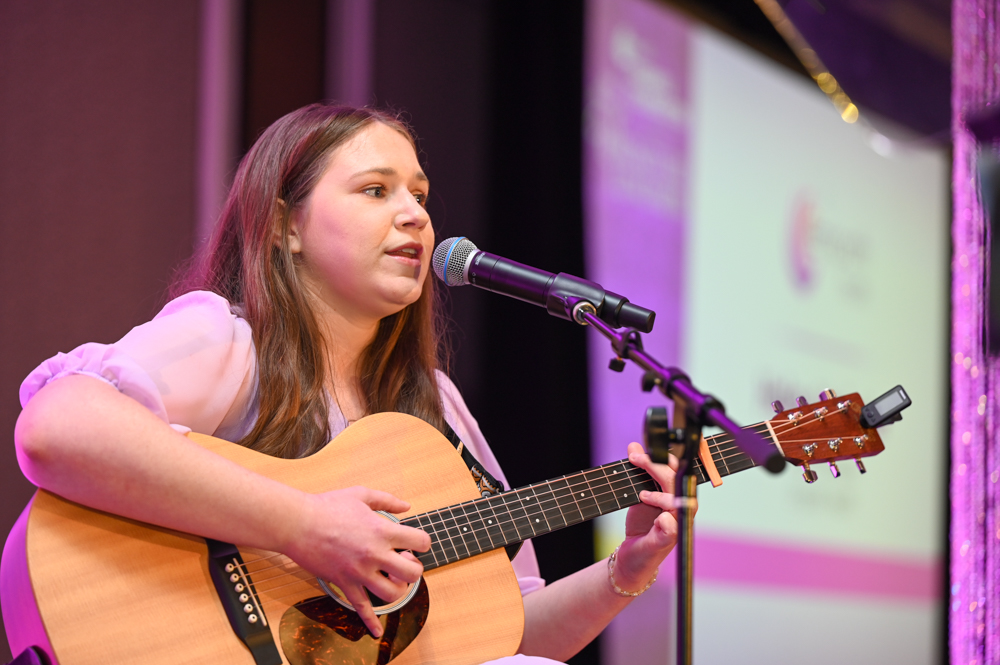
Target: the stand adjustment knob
(616, 365)
(656, 429)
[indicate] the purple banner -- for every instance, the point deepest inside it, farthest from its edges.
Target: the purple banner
(636, 154)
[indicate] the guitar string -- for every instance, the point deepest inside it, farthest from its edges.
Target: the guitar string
(637, 473)
(477, 504)
(779, 427)
(716, 442)
(270, 599)
(441, 529)
(502, 525)
(718, 448)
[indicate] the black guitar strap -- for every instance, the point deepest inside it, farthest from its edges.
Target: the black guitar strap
(488, 485)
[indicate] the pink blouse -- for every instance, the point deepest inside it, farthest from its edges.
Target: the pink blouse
(194, 366)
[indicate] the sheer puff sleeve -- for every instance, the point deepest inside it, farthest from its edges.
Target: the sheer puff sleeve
(458, 416)
(192, 365)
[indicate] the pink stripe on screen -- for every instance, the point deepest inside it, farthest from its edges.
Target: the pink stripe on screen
(789, 568)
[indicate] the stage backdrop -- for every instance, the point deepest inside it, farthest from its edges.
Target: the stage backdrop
(784, 252)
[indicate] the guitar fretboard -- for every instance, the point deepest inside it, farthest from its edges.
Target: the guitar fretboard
(466, 529)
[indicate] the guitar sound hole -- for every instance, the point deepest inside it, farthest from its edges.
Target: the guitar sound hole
(318, 630)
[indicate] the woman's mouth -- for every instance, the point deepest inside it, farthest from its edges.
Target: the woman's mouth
(408, 253)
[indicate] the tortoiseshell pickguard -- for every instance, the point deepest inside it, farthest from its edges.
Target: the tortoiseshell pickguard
(318, 631)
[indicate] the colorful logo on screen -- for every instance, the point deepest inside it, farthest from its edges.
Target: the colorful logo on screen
(803, 230)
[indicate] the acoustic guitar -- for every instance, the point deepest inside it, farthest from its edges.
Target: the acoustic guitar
(88, 587)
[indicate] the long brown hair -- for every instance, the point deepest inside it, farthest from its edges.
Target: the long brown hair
(248, 262)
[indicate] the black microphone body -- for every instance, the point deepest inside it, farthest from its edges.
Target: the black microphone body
(457, 261)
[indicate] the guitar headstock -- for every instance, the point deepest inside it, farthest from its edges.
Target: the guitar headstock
(829, 430)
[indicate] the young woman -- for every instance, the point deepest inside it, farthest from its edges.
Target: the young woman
(312, 309)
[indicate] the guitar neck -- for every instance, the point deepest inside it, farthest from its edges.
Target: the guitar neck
(467, 529)
(726, 454)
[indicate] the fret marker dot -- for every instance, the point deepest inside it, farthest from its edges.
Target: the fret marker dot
(489, 521)
(465, 528)
(583, 494)
(625, 494)
(536, 520)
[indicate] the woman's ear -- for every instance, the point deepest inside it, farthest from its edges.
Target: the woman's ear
(294, 230)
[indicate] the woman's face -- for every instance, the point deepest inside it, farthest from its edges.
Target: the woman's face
(363, 235)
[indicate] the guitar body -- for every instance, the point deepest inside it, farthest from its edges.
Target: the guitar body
(94, 588)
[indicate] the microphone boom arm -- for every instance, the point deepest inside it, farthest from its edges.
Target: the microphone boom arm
(675, 384)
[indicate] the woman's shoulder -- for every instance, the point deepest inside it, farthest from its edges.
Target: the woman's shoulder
(451, 396)
(195, 315)
(203, 304)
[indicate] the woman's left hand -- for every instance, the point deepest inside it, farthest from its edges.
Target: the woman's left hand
(650, 527)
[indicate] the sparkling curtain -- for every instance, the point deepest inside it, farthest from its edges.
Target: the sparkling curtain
(974, 611)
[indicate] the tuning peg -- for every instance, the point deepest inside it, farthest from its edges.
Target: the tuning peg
(861, 465)
(801, 401)
(834, 469)
(827, 394)
(808, 474)
(776, 405)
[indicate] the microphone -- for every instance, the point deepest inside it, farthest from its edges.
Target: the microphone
(457, 261)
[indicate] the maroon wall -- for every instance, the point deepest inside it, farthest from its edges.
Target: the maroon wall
(97, 140)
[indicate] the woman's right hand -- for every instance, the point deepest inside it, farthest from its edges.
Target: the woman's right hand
(342, 540)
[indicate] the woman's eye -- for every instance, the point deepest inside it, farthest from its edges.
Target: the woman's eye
(421, 198)
(378, 191)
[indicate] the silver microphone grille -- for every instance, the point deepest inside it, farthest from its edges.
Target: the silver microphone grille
(449, 260)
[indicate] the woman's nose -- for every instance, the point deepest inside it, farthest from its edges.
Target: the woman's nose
(413, 214)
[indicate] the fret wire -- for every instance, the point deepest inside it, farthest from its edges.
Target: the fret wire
(431, 551)
(457, 536)
(597, 476)
(482, 521)
(439, 528)
(449, 544)
(614, 494)
(555, 501)
(513, 517)
(569, 492)
(437, 550)
(469, 525)
(562, 493)
(493, 520)
(541, 509)
(441, 543)
(542, 499)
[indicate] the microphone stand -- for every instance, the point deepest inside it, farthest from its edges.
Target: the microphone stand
(692, 410)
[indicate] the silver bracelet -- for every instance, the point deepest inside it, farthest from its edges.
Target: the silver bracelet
(614, 585)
